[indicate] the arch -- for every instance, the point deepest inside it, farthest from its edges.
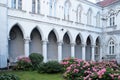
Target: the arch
(21, 28)
(111, 47)
(68, 1)
(67, 6)
(91, 39)
(16, 43)
(66, 47)
(78, 13)
(78, 47)
(89, 16)
(81, 37)
(97, 49)
(52, 46)
(70, 36)
(98, 38)
(56, 34)
(40, 32)
(112, 38)
(36, 41)
(89, 43)
(98, 19)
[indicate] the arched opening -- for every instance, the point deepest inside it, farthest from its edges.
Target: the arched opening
(88, 49)
(97, 50)
(52, 46)
(36, 42)
(66, 48)
(16, 43)
(78, 48)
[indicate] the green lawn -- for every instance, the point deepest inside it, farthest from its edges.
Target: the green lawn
(26, 75)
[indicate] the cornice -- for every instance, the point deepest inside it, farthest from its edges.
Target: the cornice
(54, 24)
(3, 5)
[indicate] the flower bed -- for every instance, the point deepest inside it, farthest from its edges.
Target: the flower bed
(77, 69)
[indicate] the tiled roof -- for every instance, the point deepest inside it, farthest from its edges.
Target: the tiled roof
(105, 3)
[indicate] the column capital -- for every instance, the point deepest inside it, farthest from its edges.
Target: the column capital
(72, 44)
(44, 42)
(60, 43)
(93, 45)
(83, 45)
(27, 40)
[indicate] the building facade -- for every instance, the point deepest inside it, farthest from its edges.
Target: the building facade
(58, 29)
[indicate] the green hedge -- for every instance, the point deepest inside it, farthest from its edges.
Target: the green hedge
(36, 59)
(50, 67)
(9, 77)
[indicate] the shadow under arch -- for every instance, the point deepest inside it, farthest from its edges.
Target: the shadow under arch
(19, 26)
(16, 43)
(36, 41)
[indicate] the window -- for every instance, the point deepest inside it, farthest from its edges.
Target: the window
(20, 4)
(89, 16)
(98, 19)
(111, 47)
(66, 10)
(79, 10)
(38, 6)
(52, 7)
(13, 4)
(112, 21)
(33, 6)
(112, 18)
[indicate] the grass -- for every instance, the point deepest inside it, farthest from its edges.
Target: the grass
(32, 75)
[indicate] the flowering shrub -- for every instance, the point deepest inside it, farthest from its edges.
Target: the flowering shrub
(24, 63)
(77, 69)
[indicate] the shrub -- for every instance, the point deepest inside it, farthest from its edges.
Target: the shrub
(36, 59)
(9, 77)
(50, 67)
(23, 63)
(76, 69)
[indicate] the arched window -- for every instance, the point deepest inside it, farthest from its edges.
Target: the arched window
(38, 6)
(13, 4)
(33, 6)
(111, 47)
(89, 16)
(78, 14)
(98, 19)
(111, 18)
(52, 7)
(20, 4)
(66, 10)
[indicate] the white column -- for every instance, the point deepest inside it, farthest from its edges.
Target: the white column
(73, 50)
(59, 51)
(26, 44)
(44, 50)
(83, 51)
(100, 52)
(93, 52)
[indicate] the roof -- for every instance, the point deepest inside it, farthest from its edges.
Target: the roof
(105, 3)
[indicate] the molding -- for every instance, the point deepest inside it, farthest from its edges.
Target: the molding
(17, 10)
(55, 24)
(3, 5)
